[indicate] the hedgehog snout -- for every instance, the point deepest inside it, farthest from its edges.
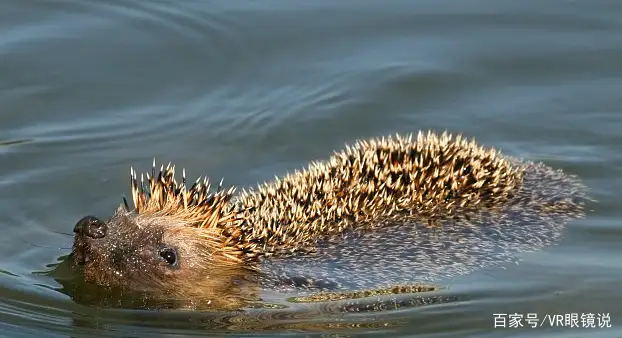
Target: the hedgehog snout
(92, 227)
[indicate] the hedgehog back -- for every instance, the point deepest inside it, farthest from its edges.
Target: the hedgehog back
(410, 251)
(428, 177)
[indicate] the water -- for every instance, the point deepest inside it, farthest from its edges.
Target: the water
(247, 90)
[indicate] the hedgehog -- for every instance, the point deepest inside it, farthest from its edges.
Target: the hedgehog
(189, 241)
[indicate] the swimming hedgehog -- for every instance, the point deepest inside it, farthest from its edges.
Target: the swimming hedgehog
(183, 241)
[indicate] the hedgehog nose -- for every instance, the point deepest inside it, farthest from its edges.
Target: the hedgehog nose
(91, 226)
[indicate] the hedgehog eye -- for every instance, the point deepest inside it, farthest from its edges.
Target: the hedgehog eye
(169, 255)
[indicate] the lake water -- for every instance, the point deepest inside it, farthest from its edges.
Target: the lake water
(247, 90)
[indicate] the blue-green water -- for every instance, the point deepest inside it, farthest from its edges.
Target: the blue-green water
(248, 90)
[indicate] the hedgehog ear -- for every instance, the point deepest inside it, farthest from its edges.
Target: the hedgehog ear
(122, 209)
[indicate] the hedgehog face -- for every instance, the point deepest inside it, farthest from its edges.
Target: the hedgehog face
(143, 253)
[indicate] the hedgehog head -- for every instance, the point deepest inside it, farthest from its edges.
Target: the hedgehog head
(166, 243)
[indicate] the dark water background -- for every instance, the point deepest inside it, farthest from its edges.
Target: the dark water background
(250, 89)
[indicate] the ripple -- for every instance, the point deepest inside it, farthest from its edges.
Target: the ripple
(92, 109)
